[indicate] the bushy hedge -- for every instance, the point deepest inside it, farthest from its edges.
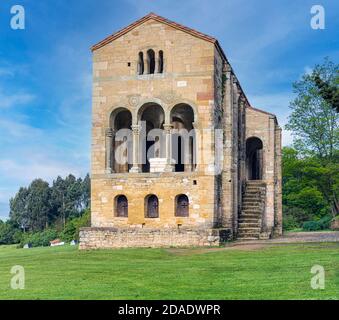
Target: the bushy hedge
(321, 224)
(71, 232)
(39, 239)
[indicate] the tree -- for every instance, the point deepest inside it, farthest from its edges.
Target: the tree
(69, 197)
(313, 121)
(38, 205)
(18, 209)
(310, 187)
(86, 192)
(329, 91)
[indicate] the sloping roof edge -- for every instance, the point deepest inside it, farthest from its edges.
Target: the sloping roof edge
(156, 17)
(265, 112)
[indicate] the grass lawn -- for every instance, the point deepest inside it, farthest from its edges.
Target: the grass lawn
(267, 272)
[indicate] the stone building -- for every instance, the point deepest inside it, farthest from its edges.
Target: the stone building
(179, 156)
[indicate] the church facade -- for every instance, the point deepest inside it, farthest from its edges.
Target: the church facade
(179, 156)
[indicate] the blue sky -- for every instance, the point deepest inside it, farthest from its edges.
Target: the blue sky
(45, 70)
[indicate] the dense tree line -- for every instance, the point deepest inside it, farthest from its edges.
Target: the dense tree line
(310, 190)
(40, 207)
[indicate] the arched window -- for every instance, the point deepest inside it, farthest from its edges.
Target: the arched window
(183, 138)
(121, 206)
(161, 62)
(181, 205)
(151, 61)
(152, 116)
(141, 63)
(120, 157)
(151, 206)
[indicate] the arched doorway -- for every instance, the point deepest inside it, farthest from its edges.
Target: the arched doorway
(151, 116)
(254, 158)
(183, 138)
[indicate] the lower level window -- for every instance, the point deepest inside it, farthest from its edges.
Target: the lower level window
(181, 205)
(121, 206)
(151, 206)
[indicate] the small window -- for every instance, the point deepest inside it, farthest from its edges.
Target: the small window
(181, 205)
(151, 206)
(151, 61)
(161, 62)
(141, 63)
(121, 206)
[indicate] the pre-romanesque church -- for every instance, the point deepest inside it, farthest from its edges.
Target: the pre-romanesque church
(179, 155)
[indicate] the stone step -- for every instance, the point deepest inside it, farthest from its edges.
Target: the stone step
(251, 204)
(249, 220)
(249, 197)
(253, 193)
(243, 238)
(256, 209)
(253, 214)
(247, 224)
(250, 229)
(255, 184)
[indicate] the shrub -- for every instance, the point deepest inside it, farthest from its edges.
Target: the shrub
(39, 239)
(290, 222)
(322, 224)
(71, 231)
(9, 233)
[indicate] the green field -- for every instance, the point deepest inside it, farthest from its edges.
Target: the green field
(264, 272)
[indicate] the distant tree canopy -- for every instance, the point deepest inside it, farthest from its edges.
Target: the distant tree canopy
(311, 167)
(40, 206)
(328, 88)
(314, 120)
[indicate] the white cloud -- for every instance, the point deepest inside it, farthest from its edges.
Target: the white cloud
(39, 167)
(14, 129)
(15, 99)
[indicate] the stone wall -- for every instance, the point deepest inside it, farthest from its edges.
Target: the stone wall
(95, 238)
(263, 125)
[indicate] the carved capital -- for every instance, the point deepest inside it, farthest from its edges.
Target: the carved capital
(168, 127)
(136, 128)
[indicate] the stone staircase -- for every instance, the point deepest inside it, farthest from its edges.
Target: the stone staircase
(253, 203)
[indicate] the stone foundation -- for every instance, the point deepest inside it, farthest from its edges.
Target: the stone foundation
(95, 238)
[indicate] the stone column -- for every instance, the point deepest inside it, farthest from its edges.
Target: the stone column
(109, 144)
(227, 170)
(136, 141)
(278, 185)
(156, 62)
(169, 162)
